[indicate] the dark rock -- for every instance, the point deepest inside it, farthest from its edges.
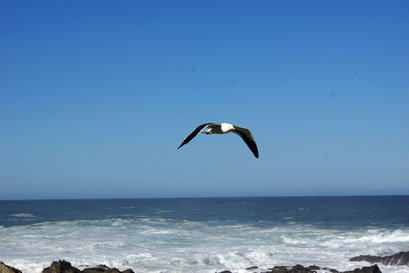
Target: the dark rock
(102, 266)
(291, 269)
(66, 267)
(8, 269)
(366, 269)
(61, 267)
(252, 268)
(313, 269)
(401, 258)
(95, 269)
(105, 269)
(330, 269)
(98, 270)
(226, 271)
(278, 269)
(301, 269)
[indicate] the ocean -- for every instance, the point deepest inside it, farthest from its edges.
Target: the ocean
(203, 234)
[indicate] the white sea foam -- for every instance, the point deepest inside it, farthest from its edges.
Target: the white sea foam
(27, 215)
(166, 246)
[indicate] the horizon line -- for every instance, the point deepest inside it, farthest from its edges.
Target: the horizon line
(207, 197)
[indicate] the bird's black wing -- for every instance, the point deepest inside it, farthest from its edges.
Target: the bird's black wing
(193, 134)
(248, 138)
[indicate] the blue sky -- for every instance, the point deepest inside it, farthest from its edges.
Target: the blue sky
(95, 97)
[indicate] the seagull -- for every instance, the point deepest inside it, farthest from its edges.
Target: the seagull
(223, 128)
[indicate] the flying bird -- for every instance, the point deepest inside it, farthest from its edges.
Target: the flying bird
(223, 128)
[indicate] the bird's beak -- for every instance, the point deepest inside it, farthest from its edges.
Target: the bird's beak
(234, 128)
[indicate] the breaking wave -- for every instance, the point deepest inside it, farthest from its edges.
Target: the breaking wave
(24, 215)
(165, 245)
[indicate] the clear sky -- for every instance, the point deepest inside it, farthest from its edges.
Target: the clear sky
(95, 97)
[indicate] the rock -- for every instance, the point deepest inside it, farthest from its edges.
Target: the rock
(226, 271)
(401, 258)
(330, 269)
(313, 269)
(252, 268)
(98, 270)
(61, 267)
(8, 269)
(291, 269)
(66, 267)
(105, 269)
(367, 269)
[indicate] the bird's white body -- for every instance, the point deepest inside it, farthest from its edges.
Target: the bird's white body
(223, 128)
(227, 127)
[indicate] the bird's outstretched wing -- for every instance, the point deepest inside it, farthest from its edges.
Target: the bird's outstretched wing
(248, 138)
(193, 134)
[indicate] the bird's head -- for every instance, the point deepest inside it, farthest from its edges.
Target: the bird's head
(227, 127)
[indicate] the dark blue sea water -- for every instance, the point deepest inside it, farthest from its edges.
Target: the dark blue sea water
(203, 234)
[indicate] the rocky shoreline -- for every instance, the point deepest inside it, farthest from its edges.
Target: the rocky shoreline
(312, 269)
(63, 266)
(401, 258)
(66, 267)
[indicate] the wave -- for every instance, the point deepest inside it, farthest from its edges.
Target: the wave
(145, 262)
(24, 215)
(385, 236)
(165, 245)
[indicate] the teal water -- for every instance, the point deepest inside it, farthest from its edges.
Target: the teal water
(325, 212)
